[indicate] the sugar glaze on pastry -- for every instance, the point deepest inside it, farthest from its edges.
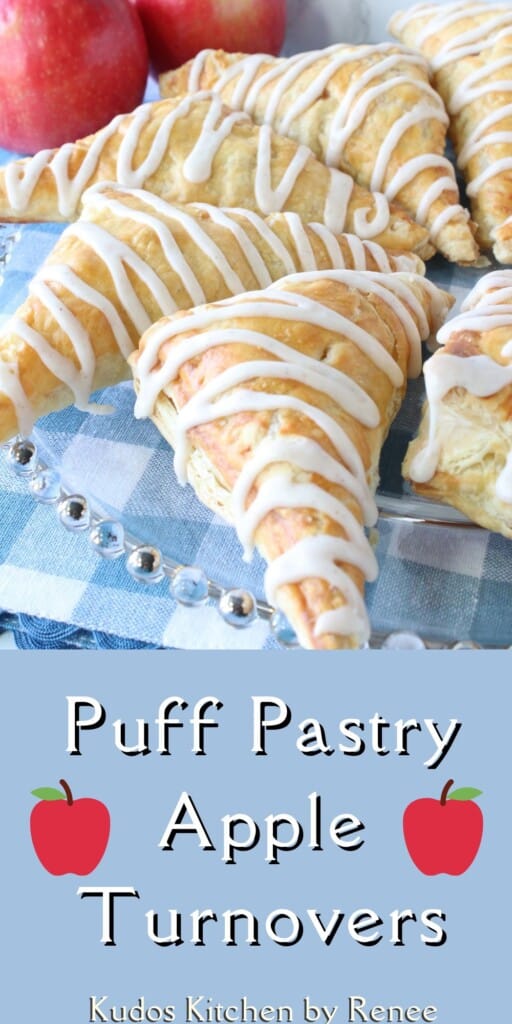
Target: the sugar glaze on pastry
(463, 454)
(327, 99)
(195, 149)
(248, 368)
(128, 260)
(469, 49)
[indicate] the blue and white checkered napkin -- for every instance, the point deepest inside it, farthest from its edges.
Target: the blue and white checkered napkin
(450, 584)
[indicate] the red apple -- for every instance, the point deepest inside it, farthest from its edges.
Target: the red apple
(67, 67)
(443, 836)
(177, 29)
(69, 836)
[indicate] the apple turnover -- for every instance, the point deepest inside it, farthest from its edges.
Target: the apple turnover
(276, 404)
(463, 454)
(195, 149)
(367, 110)
(469, 47)
(128, 260)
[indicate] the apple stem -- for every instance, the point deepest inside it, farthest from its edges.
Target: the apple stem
(69, 795)
(445, 792)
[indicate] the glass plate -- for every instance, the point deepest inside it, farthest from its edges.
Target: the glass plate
(124, 469)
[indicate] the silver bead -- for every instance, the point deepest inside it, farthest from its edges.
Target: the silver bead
(403, 642)
(466, 645)
(9, 235)
(74, 512)
(189, 586)
(144, 563)
(45, 486)
(22, 457)
(238, 608)
(107, 538)
(282, 630)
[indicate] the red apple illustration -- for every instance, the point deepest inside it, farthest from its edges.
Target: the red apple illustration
(443, 836)
(69, 836)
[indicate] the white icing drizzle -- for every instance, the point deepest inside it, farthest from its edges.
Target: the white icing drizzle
(381, 258)
(225, 395)
(337, 199)
(305, 254)
(461, 44)
(269, 236)
(479, 375)
(351, 111)
(359, 253)
(78, 380)
(196, 70)
(305, 454)
(496, 24)
(21, 177)
(61, 274)
(409, 171)
(10, 385)
(466, 44)
(421, 112)
(256, 262)
(478, 139)
(504, 482)
(485, 309)
(386, 287)
(332, 246)
(280, 492)
(497, 167)
(271, 200)
(318, 557)
(405, 174)
(217, 126)
(171, 250)
(158, 215)
(208, 406)
(356, 247)
(491, 288)
(468, 91)
(342, 389)
(291, 307)
(491, 317)
(366, 225)
(61, 367)
(115, 254)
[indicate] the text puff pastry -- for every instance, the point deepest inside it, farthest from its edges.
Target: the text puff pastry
(463, 454)
(277, 404)
(368, 110)
(128, 260)
(195, 149)
(469, 46)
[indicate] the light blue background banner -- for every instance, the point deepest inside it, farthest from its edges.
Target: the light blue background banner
(54, 959)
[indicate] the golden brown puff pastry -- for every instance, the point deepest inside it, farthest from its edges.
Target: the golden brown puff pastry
(469, 46)
(277, 403)
(463, 454)
(195, 149)
(368, 110)
(130, 258)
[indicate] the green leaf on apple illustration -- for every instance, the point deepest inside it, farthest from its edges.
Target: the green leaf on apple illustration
(48, 793)
(465, 793)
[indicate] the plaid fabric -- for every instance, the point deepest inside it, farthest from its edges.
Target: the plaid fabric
(450, 584)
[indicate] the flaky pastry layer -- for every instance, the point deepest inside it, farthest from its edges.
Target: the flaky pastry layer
(368, 110)
(469, 47)
(128, 260)
(277, 404)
